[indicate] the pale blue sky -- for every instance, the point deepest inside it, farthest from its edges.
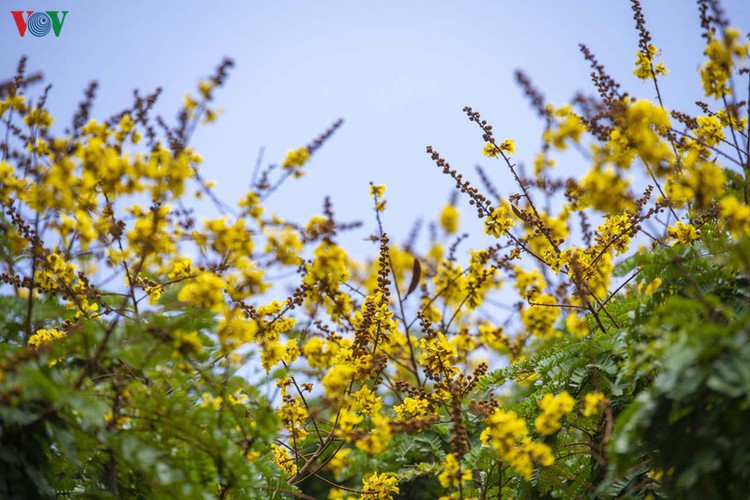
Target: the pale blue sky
(398, 72)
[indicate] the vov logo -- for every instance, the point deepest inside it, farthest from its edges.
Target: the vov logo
(39, 23)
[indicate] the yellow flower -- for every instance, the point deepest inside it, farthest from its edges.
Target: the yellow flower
(540, 317)
(286, 245)
(722, 57)
(377, 439)
(181, 268)
(206, 290)
(339, 461)
(437, 355)
(329, 267)
(338, 379)
(296, 158)
(209, 400)
(565, 125)
(294, 416)
(526, 454)
(449, 219)
(504, 428)
(499, 221)
(577, 325)
(318, 352)
(42, 337)
(607, 191)
(736, 214)
(282, 459)
(592, 402)
(684, 233)
(38, 117)
(273, 352)
(507, 434)
(710, 130)
(379, 486)
(493, 151)
(650, 288)
(205, 87)
(366, 402)
(542, 163)
(412, 407)
(554, 408)
(452, 475)
(377, 190)
(186, 343)
(644, 61)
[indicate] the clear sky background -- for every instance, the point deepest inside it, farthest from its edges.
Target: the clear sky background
(398, 72)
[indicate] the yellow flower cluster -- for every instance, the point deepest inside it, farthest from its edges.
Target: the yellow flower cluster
(150, 237)
(722, 54)
(294, 416)
(450, 278)
(493, 337)
(412, 407)
(338, 379)
(736, 214)
(449, 219)
(319, 353)
(376, 440)
(527, 281)
(438, 355)
(42, 337)
(329, 267)
(377, 190)
(577, 325)
(606, 190)
(644, 64)
(286, 245)
(683, 233)
(232, 241)
(710, 130)
(700, 182)
(615, 233)
(379, 486)
(452, 475)
(592, 403)
(642, 128)
(499, 221)
(296, 158)
(206, 290)
(493, 151)
(187, 343)
(366, 402)
(566, 125)
(507, 434)
(540, 317)
(273, 352)
(283, 460)
(554, 408)
(211, 401)
(12, 101)
(57, 273)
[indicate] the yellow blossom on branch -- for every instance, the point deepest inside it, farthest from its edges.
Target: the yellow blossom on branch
(492, 150)
(449, 219)
(499, 221)
(379, 486)
(644, 64)
(592, 403)
(452, 476)
(42, 337)
(554, 408)
(296, 158)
